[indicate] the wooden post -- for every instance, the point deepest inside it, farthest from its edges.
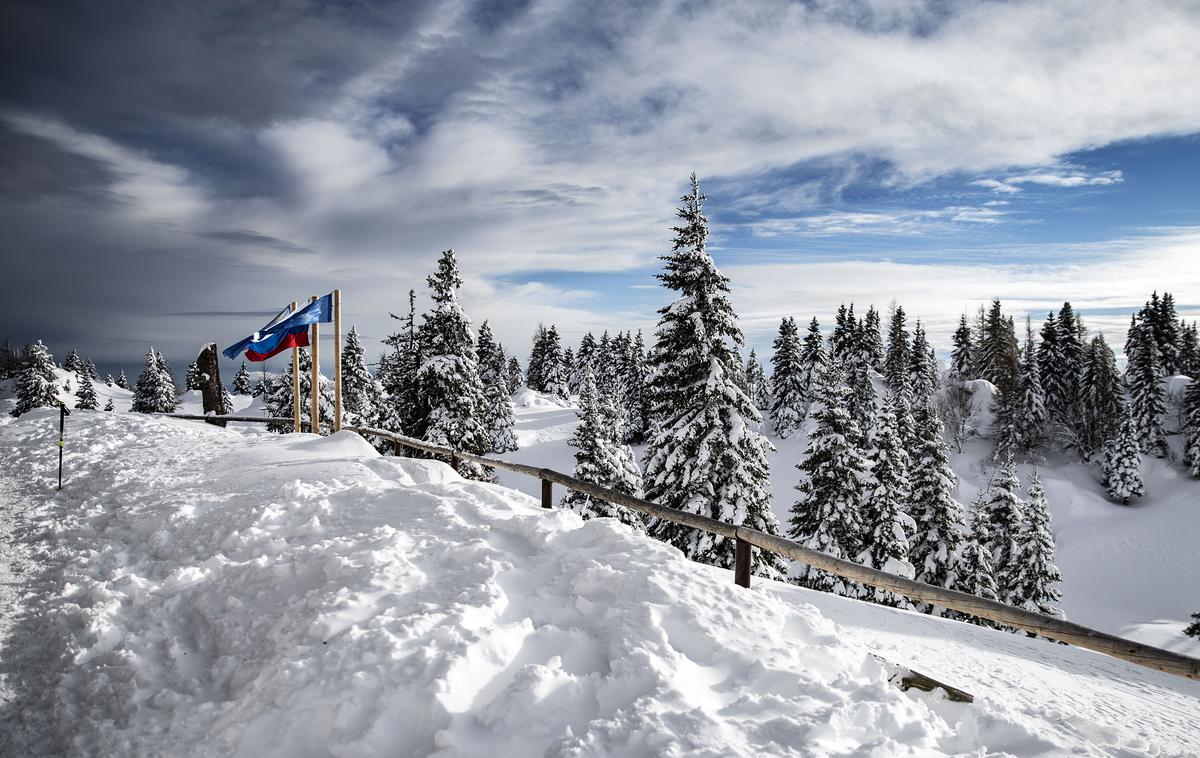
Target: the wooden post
(337, 360)
(296, 380)
(209, 369)
(547, 493)
(397, 448)
(741, 563)
(315, 387)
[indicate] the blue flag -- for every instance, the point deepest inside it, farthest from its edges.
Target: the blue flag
(320, 311)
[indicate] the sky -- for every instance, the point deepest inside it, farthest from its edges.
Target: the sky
(173, 173)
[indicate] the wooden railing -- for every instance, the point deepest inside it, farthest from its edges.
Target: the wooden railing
(746, 539)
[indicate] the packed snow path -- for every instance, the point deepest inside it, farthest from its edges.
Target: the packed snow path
(198, 591)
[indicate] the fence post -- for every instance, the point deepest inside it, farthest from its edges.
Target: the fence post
(547, 493)
(397, 448)
(741, 563)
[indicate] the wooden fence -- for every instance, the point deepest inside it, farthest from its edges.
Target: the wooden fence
(746, 539)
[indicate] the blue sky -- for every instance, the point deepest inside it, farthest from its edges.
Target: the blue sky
(874, 151)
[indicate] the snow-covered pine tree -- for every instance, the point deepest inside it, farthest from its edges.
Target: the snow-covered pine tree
(122, 382)
(812, 362)
(554, 367)
(839, 337)
(1123, 461)
(1029, 420)
(73, 363)
(1051, 366)
(404, 408)
(601, 459)
(279, 396)
(226, 401)
(90, 369)
(1037, 578)
(899, 352)
(241, 381)
(1003, 513)
(498, 412)
(637, 392)
(974, 573)
(1194, 629)
(999, 355)
(585, 361)
(705, 454)
(855, 364)
(938, 515)
(191, 379)
(757, 386)
(1166, 333)
(165, 369)
(873, 339)
(1189, 349)
(37, 382)
(922, 367)
(1191, 429)
(888, 526)
(361, 393)
(1099, 399)
(109, 405)
(789, 401)
(448, 381)
(535, 369)
(514, 375)
(962, 357)
(1147, 391)
(108, 380)
(85, 394)
(827, 515)
(154, 391)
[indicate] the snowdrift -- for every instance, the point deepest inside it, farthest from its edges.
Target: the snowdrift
(210, 592)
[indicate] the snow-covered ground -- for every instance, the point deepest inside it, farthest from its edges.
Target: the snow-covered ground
(200, 591)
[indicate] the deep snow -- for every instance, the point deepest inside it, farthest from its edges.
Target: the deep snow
(203, 591)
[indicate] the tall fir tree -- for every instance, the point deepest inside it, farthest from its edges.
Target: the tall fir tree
(554, 370)
(1147, 390)
(998, 353)
(362, 394)
(448, 380)
(1191, 429)
(812, 362)
(37, 381)
(1123, 461)
(899, 352)
(122, 382)
(191, 378)
(498, 411)
(279, 396)
(585, 361)
(938, 514)
(922, 367)
(73, 362)
(789, 399)
(535, 369)
(241, 381)
(705, 454)
(974, 573)
(1166, 333)
(403, 410)
(602, 459)
(827, 515)
(637, 395)
(85, 394)
(873, 339)
(1189, 349)
(1037, 578)
(514, 375)
(888, 526)
(1029, 420)
(757, 386)
(1062, 406)
(154, 391)
(1100, 399)
(962, 356)
(1003, 514)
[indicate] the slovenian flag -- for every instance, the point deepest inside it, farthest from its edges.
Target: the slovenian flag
(287, 330)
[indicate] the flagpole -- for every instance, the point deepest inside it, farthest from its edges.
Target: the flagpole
(315, 388)
(337, 360)
(295, 380)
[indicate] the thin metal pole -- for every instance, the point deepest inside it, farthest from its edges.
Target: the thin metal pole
(296, 380)
(62, 425)
(337, 360)
(315, 387)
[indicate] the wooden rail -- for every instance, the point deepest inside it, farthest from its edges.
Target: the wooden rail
(1035, 623)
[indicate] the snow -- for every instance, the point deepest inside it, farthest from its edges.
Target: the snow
(221, 592)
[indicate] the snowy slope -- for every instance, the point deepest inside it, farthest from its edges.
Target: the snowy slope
(213, 592)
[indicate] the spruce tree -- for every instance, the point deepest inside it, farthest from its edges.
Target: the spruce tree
(922, 367)
(705, 454)
(1123, 461)
(498, 412)
(938, 515)
(404, 409)
(1037, 578)
(962, 356)
(1166, 334)
(241, 381)
(788, 397)
(637, 392)
(85, 395)
(73, 363)
(1147, 391)
(827, 516)
(873, 339)
(1003, 514)
(1189, 349)
(108, 380)
(155, 390)
(448, 380)
(974, 573)
(842, 327)
(361, 393)
(757, 386)
(553, 370)
(226, 402)
(999, 356)
(122, 382)
(899, 352)
(37, 381)
(280, 395)
(535, 369)
(1191, 429)
(1100, 399)
(1194, 629)
(602, 459)
(888, 526)
(514, 375)
(812, 363)
(585, 361)
(1029, 420)
(109, 405)
(191, 379)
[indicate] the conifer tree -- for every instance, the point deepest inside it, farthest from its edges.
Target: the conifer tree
(155, 390)
(1166, 334)
(1051, 366)
(91, 369)
(938, 515)
(888, 526)
(551, 369)
(535, 370)
(1189, 349)
(1099, 399)
(241, 381)
(226, 401)
(827, 516)
(361, 393)
(1123, 461)
(637, 392)
(962, 356)
(705, 454)
(922, 367)
(448, 380)
(757, 386)
(73, 363)
(788, 397)
(585, 361)
(974, 572)
(1191, 429)
(37, 382)
(10, 360)
(1194, 629)
(191, 379)
(1037, 578)
(873, 339)
(812, 362)
(843, 326)
(899, 352)
(1029, 421)
(498, 414)
(280, 395)
(85, 394)
(109, 405)
(602, 459)
(122, 382)
(1147, 391)
(108, 380)
(404, 410)
(999, 356)
(514, 375)
(1003, 514)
